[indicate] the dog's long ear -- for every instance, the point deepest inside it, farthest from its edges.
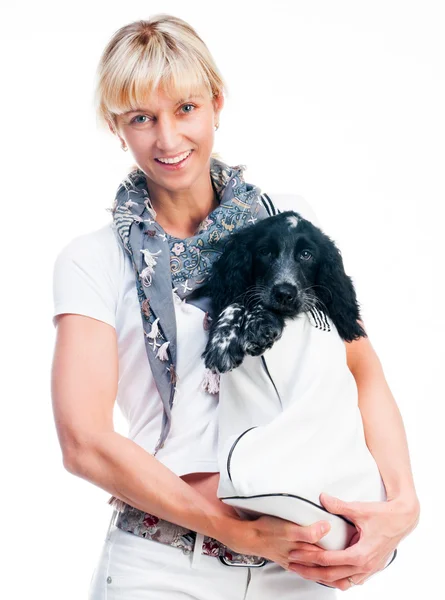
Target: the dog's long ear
(232, 272)
(336, 291)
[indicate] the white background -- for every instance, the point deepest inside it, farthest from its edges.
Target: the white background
(339, 102)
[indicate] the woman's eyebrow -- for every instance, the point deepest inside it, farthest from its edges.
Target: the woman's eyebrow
(178, 102)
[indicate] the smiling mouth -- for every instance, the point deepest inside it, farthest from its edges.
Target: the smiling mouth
(174, 164)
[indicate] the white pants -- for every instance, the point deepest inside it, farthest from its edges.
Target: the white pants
(134, 568)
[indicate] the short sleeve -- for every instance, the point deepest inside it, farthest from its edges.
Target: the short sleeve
(83, 279)
(296, 203)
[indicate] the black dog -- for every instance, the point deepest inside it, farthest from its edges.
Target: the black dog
(268, 272)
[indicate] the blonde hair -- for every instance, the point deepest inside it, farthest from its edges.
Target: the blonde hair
(163, 51)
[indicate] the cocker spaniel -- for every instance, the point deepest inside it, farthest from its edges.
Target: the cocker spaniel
(268, 272)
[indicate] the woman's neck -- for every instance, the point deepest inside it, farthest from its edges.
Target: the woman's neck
(181, 214)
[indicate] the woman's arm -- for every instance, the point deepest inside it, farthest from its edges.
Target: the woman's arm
(84, 388)
(382, 422)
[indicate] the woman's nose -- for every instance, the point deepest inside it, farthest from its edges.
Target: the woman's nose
(168, 134)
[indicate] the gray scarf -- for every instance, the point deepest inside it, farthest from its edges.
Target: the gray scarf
(168, 269)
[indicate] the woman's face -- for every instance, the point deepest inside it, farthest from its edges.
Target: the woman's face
(167, 127)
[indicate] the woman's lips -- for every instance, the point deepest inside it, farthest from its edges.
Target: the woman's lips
(176, 166)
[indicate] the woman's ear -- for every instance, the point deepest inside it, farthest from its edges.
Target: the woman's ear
(113, 127)
(218, 103)
(231, 273)
(335, 290)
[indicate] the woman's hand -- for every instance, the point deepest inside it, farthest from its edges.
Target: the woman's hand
(380, 528)
(269, 537)
(274, 538)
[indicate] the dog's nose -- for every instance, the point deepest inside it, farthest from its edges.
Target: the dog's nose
(284, 293)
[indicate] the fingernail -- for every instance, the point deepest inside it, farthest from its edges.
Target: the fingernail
(325, 527)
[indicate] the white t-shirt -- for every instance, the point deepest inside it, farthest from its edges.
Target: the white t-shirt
(93, 276)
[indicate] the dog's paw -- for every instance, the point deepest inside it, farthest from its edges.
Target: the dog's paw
(223, 356)
(261, 329)
(223, 351)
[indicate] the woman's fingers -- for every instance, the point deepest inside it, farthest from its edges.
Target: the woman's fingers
(275, 538)
(324, 558)
(327, 575)
(336, 506)
(297, 534)
(345, 584)
(306, 550)
(305, 547)
(355, 556)
(311, 534)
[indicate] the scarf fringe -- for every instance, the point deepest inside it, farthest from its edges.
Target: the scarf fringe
(154, 330)
(146, 308)
(150, 261)
(210, 382)
(150, 208)
(146, 276)
(149, 257)
(130, 203)
(173, 375)
(162, 352)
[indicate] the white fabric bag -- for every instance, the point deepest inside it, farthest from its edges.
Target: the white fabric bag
(290, 428)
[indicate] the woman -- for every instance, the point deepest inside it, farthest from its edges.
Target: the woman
(160, 92)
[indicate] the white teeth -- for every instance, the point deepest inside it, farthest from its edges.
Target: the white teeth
(172, 161)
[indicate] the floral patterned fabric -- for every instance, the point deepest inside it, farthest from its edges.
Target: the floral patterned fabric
(150, 527)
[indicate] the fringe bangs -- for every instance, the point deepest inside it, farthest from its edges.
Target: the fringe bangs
(133, 69)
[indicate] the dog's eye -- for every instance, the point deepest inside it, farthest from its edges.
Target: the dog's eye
(305, 255)
(264, 251)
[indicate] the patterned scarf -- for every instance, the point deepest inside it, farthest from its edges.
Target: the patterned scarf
(168, 269)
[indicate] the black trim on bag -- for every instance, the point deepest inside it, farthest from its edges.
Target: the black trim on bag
(289, 496)
(270, 377)
(233, 448)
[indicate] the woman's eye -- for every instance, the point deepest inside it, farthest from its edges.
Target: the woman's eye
(139, 117)
(305, 255)
(134, 120)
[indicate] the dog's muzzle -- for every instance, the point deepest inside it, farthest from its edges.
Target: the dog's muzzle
(285, 297)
